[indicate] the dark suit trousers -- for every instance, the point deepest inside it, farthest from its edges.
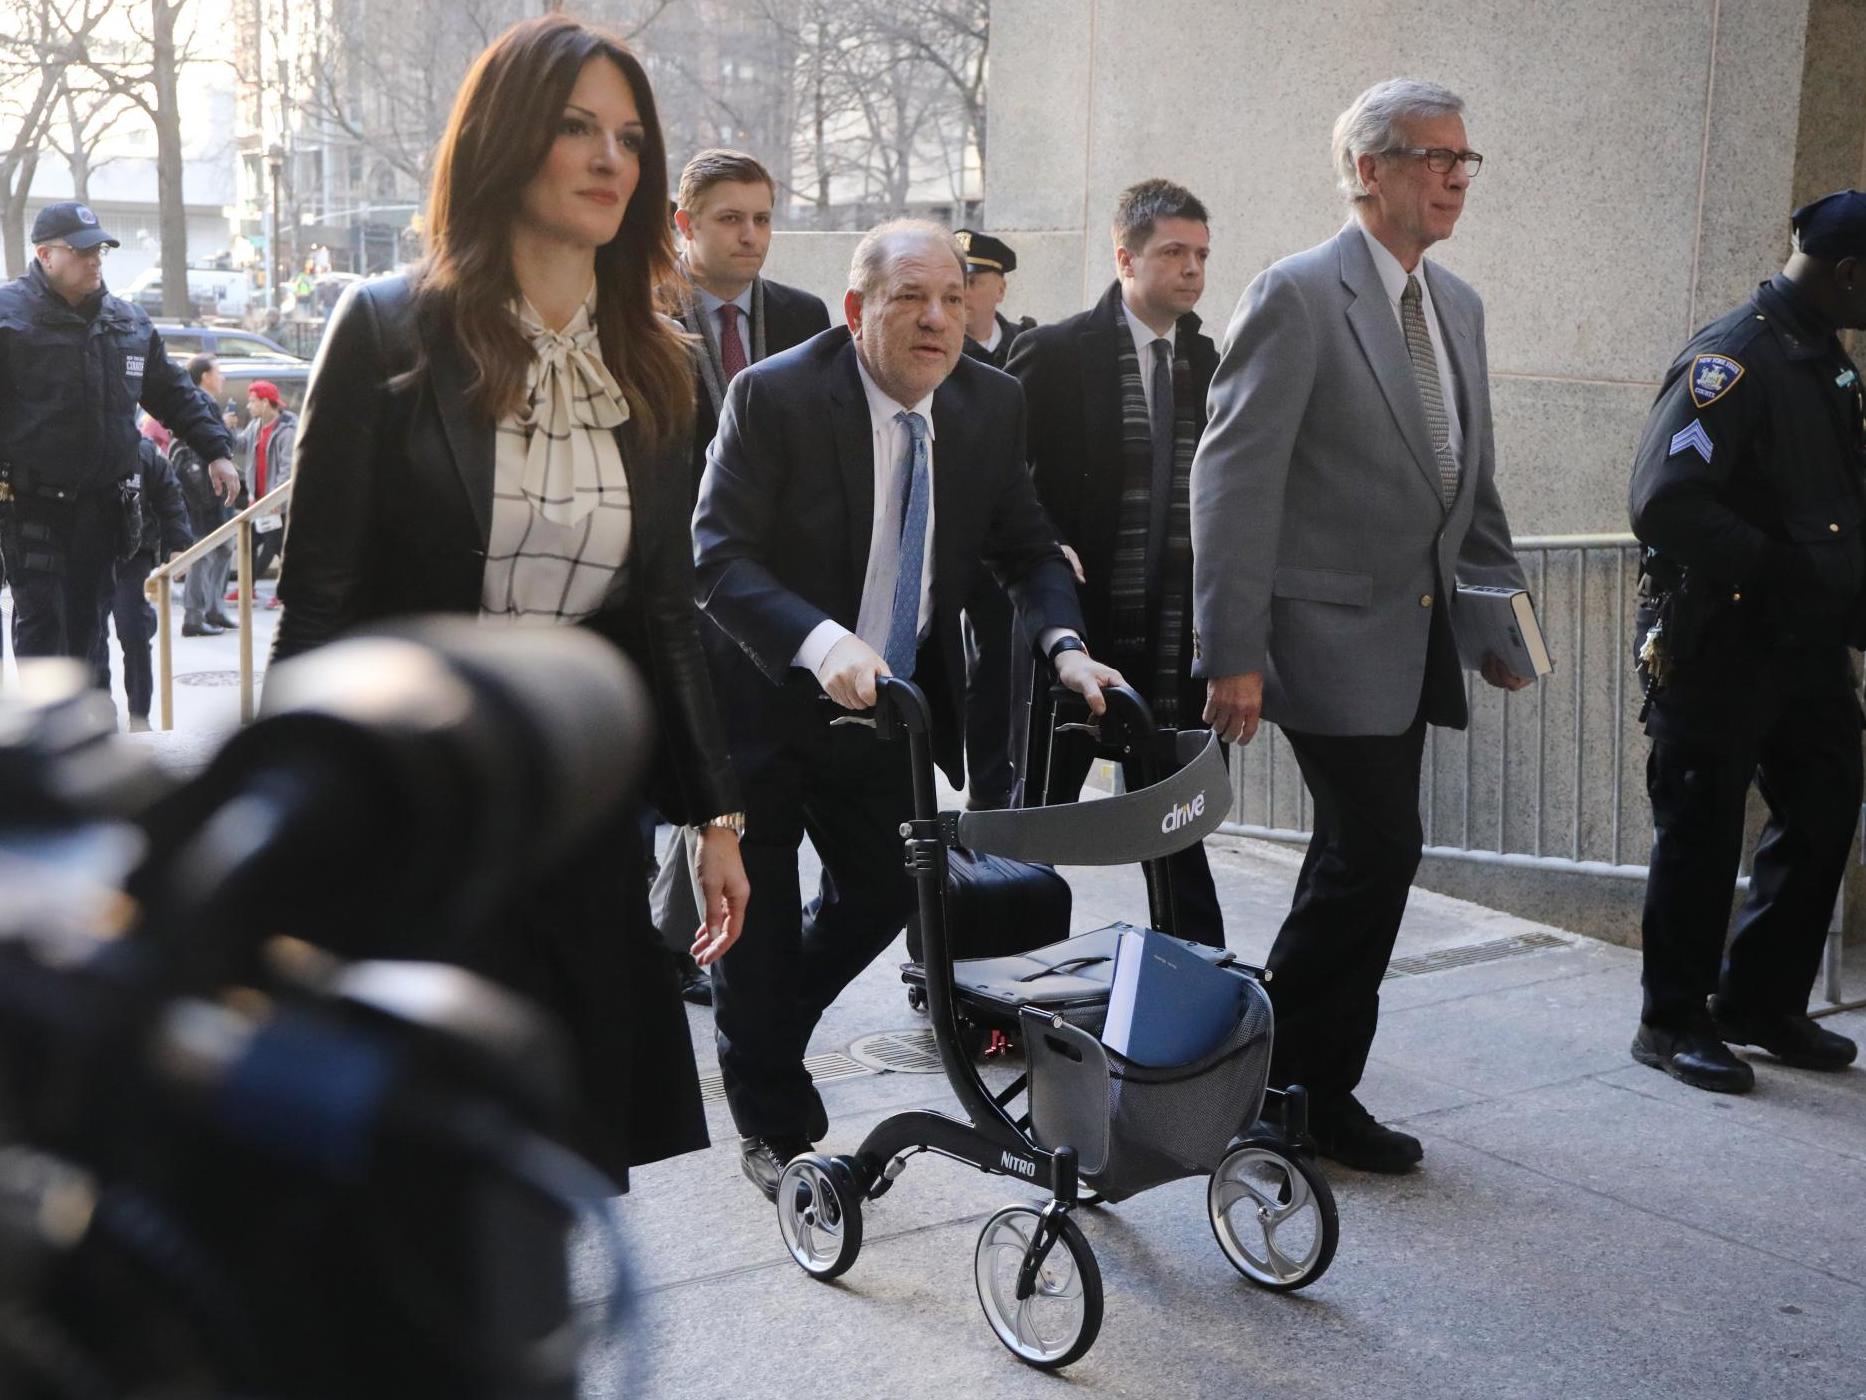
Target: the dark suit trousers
(997, 692)
(1801, 746)
(1196, 914)
(849, 793)
(1332, 951)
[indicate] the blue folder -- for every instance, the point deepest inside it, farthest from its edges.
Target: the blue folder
(1167, 1005)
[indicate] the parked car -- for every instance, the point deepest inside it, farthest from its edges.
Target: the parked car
(211, 291)
(186, 339)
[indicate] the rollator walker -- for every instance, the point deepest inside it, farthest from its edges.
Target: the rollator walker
(1093, 1126)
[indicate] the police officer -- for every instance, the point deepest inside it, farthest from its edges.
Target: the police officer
(1747, 493)
(74, 363)
(988, 332)
(997, 673)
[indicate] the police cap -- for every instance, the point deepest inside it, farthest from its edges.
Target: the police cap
(1832, 227)
(985, 253)
(72, 223)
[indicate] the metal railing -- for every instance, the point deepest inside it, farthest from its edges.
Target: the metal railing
(1541, 778)
(160, 591)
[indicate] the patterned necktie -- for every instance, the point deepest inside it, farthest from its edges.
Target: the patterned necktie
(731, 347)
(904, 620)
(1431, 393)
(1161, 495)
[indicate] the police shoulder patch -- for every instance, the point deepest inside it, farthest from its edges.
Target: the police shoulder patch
(1711, 377)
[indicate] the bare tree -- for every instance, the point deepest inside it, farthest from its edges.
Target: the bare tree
(883, 97)
(146, 72)
(86, 114)
(39, 41)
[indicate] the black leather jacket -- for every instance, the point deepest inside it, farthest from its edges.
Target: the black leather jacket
(393, 505)
(70, 380)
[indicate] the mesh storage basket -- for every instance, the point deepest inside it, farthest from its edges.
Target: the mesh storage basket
(1133, 1126)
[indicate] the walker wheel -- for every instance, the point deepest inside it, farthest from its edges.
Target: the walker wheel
(820, 1215)
(1057, 1323)
(1274, 1214)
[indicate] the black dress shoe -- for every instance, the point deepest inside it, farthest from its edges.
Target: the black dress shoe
(1347, 1133)
(1693, 1056)
(763, 1160)
(696, 988)
(201, 629)
(221, 620)
(1794, 1040)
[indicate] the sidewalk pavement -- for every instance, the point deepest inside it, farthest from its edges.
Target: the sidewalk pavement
(1583, 1226)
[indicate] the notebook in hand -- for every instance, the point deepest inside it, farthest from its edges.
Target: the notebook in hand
(1168, 1006)
(1500, 622)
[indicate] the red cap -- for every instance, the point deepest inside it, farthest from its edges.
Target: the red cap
(265, 389)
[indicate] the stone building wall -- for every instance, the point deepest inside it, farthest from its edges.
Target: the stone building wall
(1640, 164)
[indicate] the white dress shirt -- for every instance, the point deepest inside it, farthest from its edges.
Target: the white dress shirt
(1143, 348)
(710, 304)
(891, 440)
(1393, 278)
(996, 338)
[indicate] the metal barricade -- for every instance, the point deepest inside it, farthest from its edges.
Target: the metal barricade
(1543, 778)
(160, 591)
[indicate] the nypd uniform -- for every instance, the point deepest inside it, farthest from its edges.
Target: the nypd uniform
(1747, 491)
(70, 380)
(997, 702)
(983, 253)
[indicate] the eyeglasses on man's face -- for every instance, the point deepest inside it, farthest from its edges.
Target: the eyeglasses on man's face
(1440, 159)
(98, 253)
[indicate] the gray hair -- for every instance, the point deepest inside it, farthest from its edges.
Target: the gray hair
(868, 268)
(1370, 126)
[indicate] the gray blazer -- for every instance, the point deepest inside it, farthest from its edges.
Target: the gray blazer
(1320, 541)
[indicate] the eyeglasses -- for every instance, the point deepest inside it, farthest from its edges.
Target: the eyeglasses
(1440, 159)
(102, 250)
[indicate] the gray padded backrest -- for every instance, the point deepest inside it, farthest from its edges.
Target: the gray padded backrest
(1136, 826)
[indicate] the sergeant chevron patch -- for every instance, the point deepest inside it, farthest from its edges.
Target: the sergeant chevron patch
(1713, 376)
(1693, 436)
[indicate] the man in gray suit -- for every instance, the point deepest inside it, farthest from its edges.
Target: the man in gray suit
(1344, 485)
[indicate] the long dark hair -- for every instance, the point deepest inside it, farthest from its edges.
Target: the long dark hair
(503, 123)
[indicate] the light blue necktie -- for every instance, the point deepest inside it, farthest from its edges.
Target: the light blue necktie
(904, 620)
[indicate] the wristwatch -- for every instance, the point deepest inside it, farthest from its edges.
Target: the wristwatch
(1067, 642)
(731, 821)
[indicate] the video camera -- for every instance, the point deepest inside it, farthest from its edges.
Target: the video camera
(242, 1151)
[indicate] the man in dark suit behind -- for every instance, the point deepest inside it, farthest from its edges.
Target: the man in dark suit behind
(857, 486)
(1117, 404)
(739, 317)
(723, 211)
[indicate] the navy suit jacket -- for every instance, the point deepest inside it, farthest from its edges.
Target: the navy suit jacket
(781, 534)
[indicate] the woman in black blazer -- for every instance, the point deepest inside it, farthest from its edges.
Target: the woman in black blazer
(505, 431)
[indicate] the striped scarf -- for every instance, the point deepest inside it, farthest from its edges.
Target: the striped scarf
(1149, 633)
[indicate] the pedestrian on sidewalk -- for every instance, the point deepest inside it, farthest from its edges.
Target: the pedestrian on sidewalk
(1345, 485)
(1747, 495)
(270, 438)
(164, 532)
(202, 615)
(75, 363)
(503, 432)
